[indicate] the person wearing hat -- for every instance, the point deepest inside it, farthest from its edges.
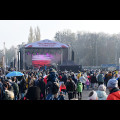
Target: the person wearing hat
(93, 95)
(112, 85)
(102, 92)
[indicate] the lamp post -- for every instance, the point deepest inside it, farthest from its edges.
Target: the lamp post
(4, 58)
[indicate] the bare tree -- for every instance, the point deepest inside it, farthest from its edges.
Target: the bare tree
(30, 37)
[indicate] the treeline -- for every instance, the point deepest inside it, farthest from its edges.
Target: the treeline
(92, 49)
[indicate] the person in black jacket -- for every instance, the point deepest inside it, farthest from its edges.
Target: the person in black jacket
(70, 87)
(52, 75)
(15, 88)
(64, 78)
(42, 86)
(22, 87)
(33, 92)
(93, 80)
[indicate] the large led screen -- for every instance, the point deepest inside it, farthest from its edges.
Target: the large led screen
(45, 59)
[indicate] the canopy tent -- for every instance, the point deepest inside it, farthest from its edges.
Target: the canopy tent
(46, 44)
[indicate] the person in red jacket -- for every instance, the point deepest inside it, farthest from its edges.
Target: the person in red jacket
(63, 88)
(45, 79)
(112, 85)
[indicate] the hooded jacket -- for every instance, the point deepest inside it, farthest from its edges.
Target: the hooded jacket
(79, 87)
(100, 78)
(114, 94)
(101, 95)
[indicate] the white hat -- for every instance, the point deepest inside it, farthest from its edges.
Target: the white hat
(102, 88)
(93, 95)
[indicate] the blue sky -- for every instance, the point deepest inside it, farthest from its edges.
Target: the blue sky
(14, 32)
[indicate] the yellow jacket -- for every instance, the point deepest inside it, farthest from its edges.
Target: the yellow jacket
(26, 82)
(79, 75)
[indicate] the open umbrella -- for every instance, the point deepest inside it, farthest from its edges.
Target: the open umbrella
(14, 73)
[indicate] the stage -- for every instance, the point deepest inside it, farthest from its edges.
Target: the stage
(43, 53)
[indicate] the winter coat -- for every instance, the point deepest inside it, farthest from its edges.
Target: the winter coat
(60, 77)
(100, 78)
(64, 78)
(15, 88)
(102, 95)
(79, 75)
(70, 86)
(22, 86)
(61, 97)
(73, 78)
(41, 85)
(8, 95)
(49, 87)
(114, 94)
(119, 83)
(109, 76)
(87, 82)
(1, 90)
(52, 77)
(62, 88)
(106, 78)
(79, 87)
(45, 80)
(82, 79)
(93, 79)
(33, 93)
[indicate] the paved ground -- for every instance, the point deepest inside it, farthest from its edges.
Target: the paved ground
(85, 94)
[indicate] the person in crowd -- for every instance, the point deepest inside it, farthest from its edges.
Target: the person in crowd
(79, 75)
(70, 87)
(1, 89)
(101, 93)
(61, 96)
(83, 80)
(8, 95)
(55, 96)
(93, 81)
(52, 75)
(28, 79)
(87, 84)
(79, 89)
(100, 78)
(22, 87)
(41, 85)
(106, 78)
(114, 94)
(64, 77)
(45, 78)
(15, 88)
(93, 95)
(33, 92)
(63, 88)
(109, 75)
(118, 79)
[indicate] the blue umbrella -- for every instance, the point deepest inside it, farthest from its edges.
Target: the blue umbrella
(14, 73)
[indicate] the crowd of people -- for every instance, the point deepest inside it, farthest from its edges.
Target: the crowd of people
(51, 84)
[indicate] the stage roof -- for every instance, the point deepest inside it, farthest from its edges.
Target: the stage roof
(46, 44)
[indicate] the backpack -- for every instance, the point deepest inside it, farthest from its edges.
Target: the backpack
(55, 88)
